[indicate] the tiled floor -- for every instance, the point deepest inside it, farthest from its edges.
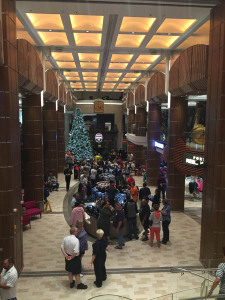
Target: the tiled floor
(42, 253)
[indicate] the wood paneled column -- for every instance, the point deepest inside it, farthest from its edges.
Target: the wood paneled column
(11, 243)
(32, 149)
(50, 139)
(176, 180)
(131, 119)
(154, 130)
(213, 202)
(61, 138)
(140, 121)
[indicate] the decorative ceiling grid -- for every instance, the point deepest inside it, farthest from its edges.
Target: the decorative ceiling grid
(108, 50)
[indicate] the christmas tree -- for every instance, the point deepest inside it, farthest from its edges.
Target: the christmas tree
(79, 144)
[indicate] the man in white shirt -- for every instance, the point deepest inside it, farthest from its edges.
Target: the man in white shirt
(70, 248)
(8, 279)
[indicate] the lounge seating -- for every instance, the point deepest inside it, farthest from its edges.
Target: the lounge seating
(31, 208)
(26, 220)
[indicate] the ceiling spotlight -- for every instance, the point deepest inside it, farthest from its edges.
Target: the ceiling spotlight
(87, 30)
(132, 32)
(50, 30)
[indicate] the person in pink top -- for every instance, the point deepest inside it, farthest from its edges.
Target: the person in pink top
(77, 214)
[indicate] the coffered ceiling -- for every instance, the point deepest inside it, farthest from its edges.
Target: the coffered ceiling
(108, 46)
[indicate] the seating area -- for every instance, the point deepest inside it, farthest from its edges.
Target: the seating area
(30, 210)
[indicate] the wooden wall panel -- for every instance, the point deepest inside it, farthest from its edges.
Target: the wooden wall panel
(32, 150)
(61, 138)
(140, 95)
(50, 139)
(130, 100)
(156, 88)
(140, 121)
(62, 99)
(188, 75)
(176, 179)
(29, 68)
(51, 92)
(11, 240)
(213, 203)
(154, 131)
(131, 120)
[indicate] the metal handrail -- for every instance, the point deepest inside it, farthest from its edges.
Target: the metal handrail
(188, 271)
(204, 297)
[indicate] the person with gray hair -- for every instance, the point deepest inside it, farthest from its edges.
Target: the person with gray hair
(70, 248)
(99, 258)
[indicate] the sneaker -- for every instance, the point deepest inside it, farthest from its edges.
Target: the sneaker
(136, 238)
(82, 286)
(98, 285)
(81, 275)
(117, 247)
(72, 284)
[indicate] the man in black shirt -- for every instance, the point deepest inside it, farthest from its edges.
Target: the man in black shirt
(144, 215)
(130, 210)
(67, 173)
(144, 192)
(112, 193)
(118, 223)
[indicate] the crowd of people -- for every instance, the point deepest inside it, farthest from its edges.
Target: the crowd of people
(137, 200)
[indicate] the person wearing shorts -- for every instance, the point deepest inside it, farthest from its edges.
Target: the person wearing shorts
(70, 249)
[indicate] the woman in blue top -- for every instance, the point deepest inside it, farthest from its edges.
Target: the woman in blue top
(166, 221)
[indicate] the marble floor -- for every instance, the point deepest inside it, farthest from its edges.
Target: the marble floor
(137, 272)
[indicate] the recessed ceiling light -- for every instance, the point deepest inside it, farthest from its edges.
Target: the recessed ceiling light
(50, 30)
(87, 30)
(132, 32)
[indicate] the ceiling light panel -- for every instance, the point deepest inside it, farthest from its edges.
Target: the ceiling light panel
(113, 75)
(66, 64)
(162, 41)
(91, 90)
(122, 86)
(88, 39)
(119, 90)
(136, 24)
(46, 21)
(86, 22)
(140, 66)
(71, 74)
(147, 58)
(175, 25)
(25, 35)
(133, 75)
(90, 74)
(129, 79)
(108, 85)
(160, 67)
(62, 56)
(112, 78)
(128, 40)
(19, 24)
(90, 78)
(121, 57)
(118, 65)
(73, 78)
(86, 65)
(76, 84)
(194, 40)
(91, 57)
(204, 29)
(90, 84)
(54, 38)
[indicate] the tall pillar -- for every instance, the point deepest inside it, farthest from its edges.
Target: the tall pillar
(140, 121)
(32, 149)
(131, 119)
(154, 130)
(67, 128)
(11, 243)
(50, 140)
(213, 204)
(61, 138)
(176, 180)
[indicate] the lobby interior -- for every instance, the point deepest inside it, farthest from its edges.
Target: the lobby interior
(142, 61)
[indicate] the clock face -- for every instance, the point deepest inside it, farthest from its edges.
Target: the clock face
(99, 107)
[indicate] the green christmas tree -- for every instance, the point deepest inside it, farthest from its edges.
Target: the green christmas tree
(79, 144)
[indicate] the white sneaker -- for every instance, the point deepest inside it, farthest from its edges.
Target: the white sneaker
(81, 275)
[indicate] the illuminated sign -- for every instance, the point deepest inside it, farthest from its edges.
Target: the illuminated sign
(193, 160)
(159, 145)
(98, 137)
